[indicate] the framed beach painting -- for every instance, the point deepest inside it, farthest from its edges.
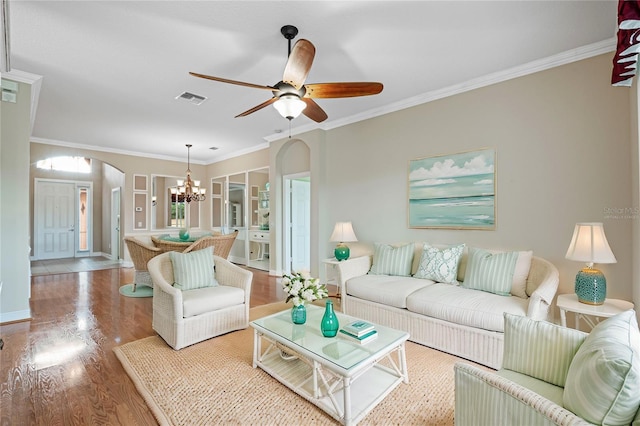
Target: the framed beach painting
(456, 191)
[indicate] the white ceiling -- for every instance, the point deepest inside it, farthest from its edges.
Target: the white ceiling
(112, 69)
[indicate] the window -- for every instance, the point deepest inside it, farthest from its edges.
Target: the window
(66, 164)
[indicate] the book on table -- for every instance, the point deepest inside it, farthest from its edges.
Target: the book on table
(359, 328)
(371, 335)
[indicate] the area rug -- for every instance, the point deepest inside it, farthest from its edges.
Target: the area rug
(213, 382)
(141, 291)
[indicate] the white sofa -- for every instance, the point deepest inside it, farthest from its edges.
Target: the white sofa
(451, 318)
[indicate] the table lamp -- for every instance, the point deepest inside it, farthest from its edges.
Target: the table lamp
(589, 244)
(342, 233)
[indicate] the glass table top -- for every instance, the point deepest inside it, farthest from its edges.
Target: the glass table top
(338, 350)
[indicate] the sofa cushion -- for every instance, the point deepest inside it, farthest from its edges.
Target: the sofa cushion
(463, 306)
(491, 272)
(390, 260)
(539, 349)
(193, 270)
(208, 299)
(604, 377)
(551, 392)
(385, 289)
(439, 265)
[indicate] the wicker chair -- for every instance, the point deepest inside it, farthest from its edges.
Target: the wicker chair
(221, 244)
(141, 254)
(228, 303)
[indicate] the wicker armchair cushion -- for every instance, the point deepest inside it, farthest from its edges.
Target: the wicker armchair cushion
(193, 270)
(539, 349)
(207, 299)
(604, 376)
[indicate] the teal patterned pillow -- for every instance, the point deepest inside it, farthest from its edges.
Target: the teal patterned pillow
(389, 260)
(193, 270)
(490, 272)
(440, 265)
(603, 381)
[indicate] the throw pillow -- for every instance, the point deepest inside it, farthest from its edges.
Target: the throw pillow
(193, 270)
(389, 260)
(521, 273)
(604, 376)
(439, 265)
(539, 349)
(490, 272)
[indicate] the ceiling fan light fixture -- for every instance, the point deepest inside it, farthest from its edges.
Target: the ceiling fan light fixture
(289, 106)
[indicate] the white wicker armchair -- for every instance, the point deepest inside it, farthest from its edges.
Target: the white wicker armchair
(229, 310)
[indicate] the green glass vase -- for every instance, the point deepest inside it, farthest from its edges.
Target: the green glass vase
(329, 325)
(299, 314)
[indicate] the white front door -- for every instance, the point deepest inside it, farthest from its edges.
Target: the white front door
(55, 219)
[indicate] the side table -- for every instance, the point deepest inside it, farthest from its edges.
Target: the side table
(570, 303)
(331, 272)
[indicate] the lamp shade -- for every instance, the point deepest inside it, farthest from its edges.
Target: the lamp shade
(589, 244)
(343, 233)
(289, 106)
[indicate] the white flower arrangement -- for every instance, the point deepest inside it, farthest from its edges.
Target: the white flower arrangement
(301, 287)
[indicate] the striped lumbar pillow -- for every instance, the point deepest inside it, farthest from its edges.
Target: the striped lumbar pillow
(603, 382)
(193, 270)
(389, 260)
(539, 349)
(490, 272)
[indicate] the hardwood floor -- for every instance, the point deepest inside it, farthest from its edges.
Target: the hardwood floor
(60, 369)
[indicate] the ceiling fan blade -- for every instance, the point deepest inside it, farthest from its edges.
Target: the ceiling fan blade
(226, 80)
(257, 107)
(342, 90)
(299, 63)
(313, 111)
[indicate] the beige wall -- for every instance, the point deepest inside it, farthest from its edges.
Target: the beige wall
(562, 138)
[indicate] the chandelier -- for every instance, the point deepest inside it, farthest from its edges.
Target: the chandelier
(189, 189)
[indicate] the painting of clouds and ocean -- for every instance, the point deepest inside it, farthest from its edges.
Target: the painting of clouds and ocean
(453, 191)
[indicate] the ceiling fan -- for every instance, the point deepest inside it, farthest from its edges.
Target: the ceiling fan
(292, 96)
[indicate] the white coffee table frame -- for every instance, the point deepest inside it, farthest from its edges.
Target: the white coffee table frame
(570, 303)
(346, 394)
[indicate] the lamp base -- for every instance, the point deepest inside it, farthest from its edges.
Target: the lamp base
(591, 286)
(341, 252)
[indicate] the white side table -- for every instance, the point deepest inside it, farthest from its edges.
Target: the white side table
(570, 303)
(331, 271)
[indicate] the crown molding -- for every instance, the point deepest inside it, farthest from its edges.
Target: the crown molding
(35, 81)
(110, 150)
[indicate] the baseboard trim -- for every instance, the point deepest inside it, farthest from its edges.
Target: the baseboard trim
(16, 316)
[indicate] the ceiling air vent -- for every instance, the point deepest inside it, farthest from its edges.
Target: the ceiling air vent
(190, 97)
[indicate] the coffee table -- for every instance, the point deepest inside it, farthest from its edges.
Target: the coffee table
(343, 378)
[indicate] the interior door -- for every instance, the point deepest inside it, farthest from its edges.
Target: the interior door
(115, 223)
(298, 217)
(55, 219)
